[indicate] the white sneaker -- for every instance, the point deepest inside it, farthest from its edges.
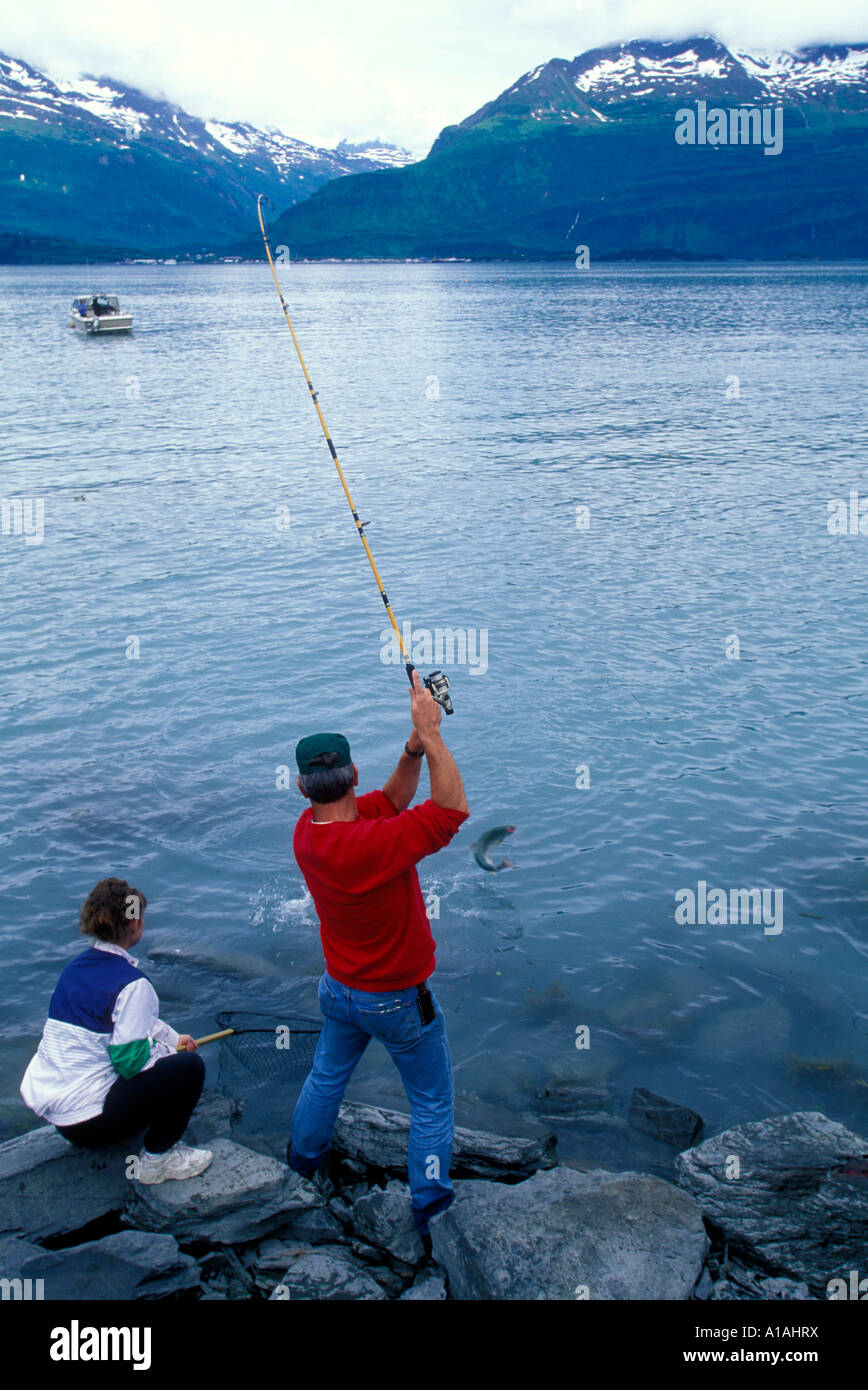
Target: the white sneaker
(178, 1162)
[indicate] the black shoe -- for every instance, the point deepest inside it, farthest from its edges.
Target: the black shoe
(319, 1175)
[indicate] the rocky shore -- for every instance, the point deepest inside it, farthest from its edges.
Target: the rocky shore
(770, 1210)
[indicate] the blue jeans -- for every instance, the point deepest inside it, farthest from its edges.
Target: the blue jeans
(421, 1054)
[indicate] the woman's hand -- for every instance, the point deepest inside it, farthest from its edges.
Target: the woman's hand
(186, 1043)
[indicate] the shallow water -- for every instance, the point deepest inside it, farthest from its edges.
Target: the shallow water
(163, 461)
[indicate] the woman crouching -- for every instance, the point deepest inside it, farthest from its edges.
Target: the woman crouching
(107, 1066)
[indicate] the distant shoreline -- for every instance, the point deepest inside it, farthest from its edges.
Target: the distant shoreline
(171, 263)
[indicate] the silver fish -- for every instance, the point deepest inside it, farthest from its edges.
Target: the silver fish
(488, 841)
(217, 961)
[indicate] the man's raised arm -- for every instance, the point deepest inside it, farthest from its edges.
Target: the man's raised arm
(401, 786)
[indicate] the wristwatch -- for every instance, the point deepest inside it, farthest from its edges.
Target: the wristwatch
(410, 754)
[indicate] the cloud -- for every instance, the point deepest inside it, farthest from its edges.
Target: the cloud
(387, 69)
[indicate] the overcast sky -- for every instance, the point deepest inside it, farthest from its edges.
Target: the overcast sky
(398, 69)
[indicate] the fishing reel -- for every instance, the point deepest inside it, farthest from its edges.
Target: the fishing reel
(438, 685)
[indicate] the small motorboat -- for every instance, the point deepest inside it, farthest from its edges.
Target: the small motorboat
(99, 313)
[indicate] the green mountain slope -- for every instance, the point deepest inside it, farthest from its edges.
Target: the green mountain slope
(585, 154)
(91, 166)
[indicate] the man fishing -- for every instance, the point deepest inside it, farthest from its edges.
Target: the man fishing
(358, 856)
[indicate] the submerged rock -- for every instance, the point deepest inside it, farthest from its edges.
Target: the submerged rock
(779, 1192)
(664, 1119)
(128, 1265)
(384, 1218)
(241, 1197)
(563, 1234)
(570, 1099)
(379, 1137)
(727, 1033)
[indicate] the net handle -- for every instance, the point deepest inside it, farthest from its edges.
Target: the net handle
(210, 1037)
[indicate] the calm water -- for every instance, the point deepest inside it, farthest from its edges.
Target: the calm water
(164, 462)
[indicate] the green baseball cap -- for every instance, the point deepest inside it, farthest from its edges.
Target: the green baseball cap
(322, 751)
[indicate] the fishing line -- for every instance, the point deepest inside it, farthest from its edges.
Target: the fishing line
(437, 682)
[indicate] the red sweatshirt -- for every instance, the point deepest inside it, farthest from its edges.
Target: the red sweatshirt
(361, 874)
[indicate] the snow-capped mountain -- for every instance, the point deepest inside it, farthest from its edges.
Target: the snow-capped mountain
(584, 151)
(675, 70)
(634, 79)
(385, 156)
(64, 139)
(87, 103)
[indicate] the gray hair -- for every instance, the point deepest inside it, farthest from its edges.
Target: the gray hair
(327, 785)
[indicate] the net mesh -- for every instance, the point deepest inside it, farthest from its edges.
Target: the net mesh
(273, 1047)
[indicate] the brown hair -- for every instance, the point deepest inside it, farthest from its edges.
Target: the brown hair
(110, 908)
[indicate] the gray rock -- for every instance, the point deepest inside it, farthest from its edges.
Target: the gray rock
(789, 1289)
(15, 1255)
(317, 1226)
(725, 1291)
(616, 1235)
(749, 1284)
(704, 1287)
(49, 1188)
(241, 1197)
(350, 1171)
(385, 1219)
(664, 1119)
(131, 1264)
(215, 1117)
(370, 1134)
(272, 1259)
(241, 1280)
(387, 1279)
(354, 1191)
(213, 1263)
(430, 1289)
(323, 1275)
(792, 1210)
(274, 1256)
(341, 1211)
(737, 1281)
(366, 1252)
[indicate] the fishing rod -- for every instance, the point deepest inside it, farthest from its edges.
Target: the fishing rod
(437, 682)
